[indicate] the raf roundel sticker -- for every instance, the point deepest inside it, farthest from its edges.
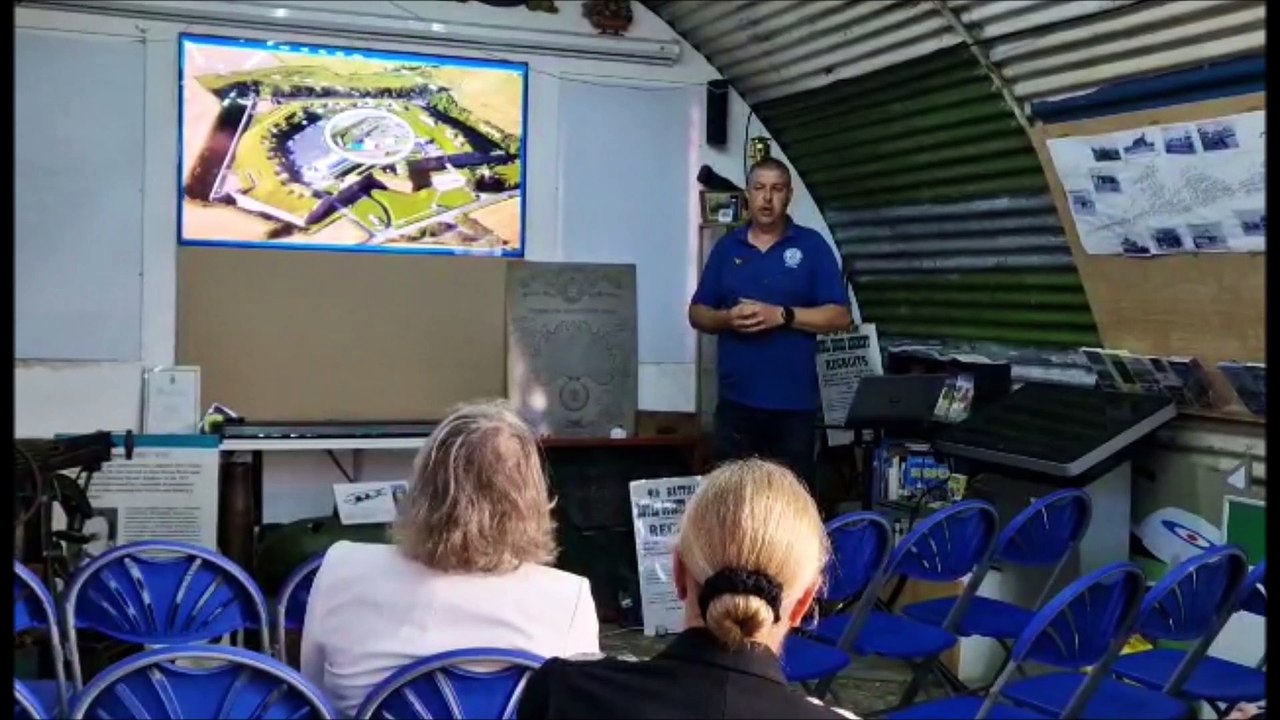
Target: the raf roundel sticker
(792, 257)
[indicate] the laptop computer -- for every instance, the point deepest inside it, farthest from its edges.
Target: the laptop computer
(895, 403)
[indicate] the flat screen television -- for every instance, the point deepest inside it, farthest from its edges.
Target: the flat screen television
(302, 146)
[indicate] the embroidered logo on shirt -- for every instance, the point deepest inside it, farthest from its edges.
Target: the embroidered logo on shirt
(792, 257)
(737, 261)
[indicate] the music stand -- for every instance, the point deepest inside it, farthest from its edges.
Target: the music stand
(882, 405)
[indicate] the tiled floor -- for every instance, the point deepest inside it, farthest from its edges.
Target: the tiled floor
(863, 689)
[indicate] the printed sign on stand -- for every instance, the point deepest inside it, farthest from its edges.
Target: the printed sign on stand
(657, 507)
(844, 359)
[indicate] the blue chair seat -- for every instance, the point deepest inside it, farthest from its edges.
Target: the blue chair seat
(889, 635)
(1050, 693)
(1212, 679)
(805, 660)
(46, 691)
(986, 617)
(962, 707)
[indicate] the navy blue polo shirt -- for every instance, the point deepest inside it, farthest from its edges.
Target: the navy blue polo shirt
(774, 369)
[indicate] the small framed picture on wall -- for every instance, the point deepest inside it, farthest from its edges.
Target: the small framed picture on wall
(722, 208)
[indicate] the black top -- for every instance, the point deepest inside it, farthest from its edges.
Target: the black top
(1054, 423)
(693, 677)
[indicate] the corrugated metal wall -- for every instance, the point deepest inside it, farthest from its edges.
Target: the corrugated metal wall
(938, 203)
(918, 163)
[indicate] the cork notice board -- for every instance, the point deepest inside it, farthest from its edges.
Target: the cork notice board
(1210, 306)
(291, 335)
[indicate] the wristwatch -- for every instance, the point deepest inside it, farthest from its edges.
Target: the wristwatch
(788, 316)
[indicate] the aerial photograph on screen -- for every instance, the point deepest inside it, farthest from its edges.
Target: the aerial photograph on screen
(287, 145)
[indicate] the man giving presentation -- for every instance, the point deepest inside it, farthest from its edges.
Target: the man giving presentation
(768, 289)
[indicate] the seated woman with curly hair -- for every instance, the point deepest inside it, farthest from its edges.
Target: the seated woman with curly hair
(470, 566)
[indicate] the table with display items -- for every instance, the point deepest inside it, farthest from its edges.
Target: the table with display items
(1040, 438)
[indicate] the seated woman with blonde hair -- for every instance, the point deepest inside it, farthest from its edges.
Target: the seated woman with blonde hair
(469, 568)
(747, 563)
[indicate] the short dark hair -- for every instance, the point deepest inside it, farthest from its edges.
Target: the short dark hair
(769, 163)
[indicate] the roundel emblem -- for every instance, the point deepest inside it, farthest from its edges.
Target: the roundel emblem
(1172, 535)
(1187, 535)
(792, 257)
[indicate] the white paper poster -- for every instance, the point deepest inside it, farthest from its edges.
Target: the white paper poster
(843, 359)
(1163, 189)
(172, 401)
(656, 508)
(368, 503)
(168, 491)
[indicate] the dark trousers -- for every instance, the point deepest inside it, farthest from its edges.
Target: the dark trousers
(784, 436)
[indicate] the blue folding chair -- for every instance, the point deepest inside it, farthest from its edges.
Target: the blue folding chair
(441, 686)
(159, 594)
(26, 706)
(1041, 536)
(1085, 625)
(291, 605)
(1194, 674)
(215, 682)
(1189, 602)
(860, 546)
(34, 609)
(944, 547)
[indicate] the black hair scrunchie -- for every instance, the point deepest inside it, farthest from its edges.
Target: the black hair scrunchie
(738, 581)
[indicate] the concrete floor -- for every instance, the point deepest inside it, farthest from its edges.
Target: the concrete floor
(864, 688)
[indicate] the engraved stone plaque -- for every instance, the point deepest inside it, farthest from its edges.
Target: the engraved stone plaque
(572, 348)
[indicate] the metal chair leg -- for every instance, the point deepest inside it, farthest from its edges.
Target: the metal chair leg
(919, 671)
(834, 697)
(951, 683)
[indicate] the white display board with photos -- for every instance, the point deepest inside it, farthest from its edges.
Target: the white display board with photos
(1186, 187)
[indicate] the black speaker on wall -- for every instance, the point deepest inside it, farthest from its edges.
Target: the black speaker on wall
(717, 112)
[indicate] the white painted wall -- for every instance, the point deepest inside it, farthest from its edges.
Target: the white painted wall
(76, 397)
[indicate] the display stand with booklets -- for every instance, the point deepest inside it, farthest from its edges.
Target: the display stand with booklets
(899, 406)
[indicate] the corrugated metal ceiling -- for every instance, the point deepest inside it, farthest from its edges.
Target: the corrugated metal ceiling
(1134, 40)
(1045, 48)
(773, 49)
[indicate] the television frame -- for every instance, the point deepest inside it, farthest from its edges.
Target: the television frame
(184, 39)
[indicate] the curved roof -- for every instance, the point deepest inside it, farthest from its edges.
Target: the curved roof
(770, 49)
(908, 123)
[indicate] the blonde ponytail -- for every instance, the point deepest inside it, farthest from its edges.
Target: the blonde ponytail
(753, 539)
(736, 620)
